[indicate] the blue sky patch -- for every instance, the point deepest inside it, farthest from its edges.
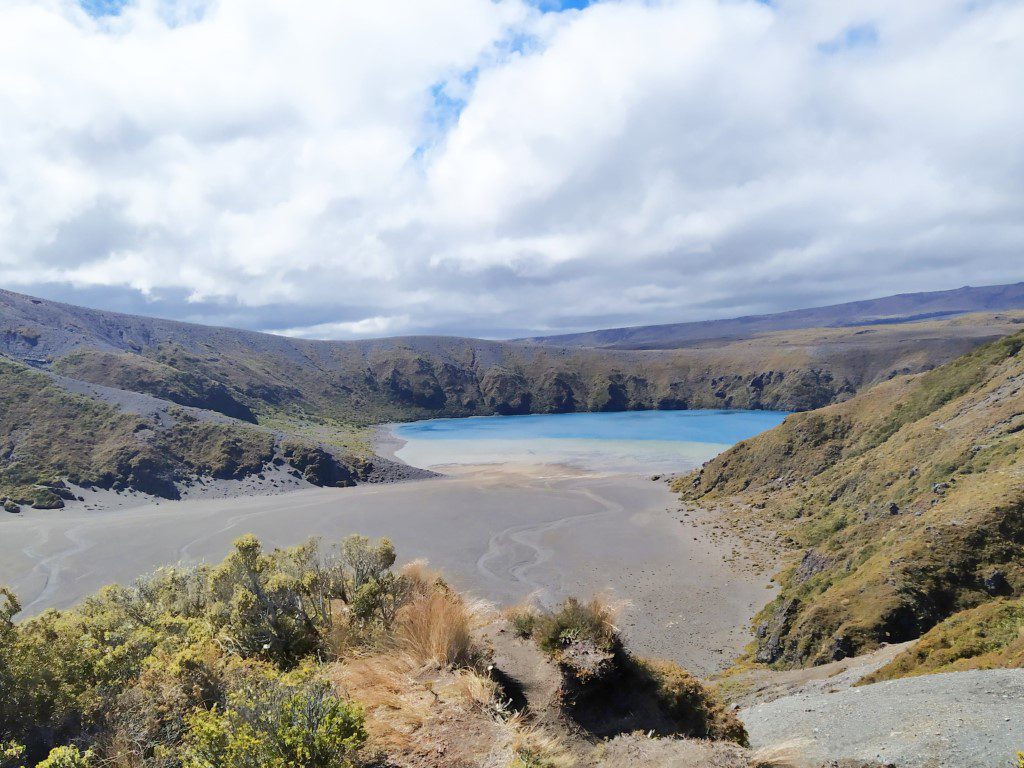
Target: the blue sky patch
(856, 36)
(98, 8)
(557, 6)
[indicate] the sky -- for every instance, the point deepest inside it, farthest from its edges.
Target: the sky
(500, 168)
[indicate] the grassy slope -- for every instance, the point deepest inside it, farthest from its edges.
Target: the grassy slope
(907, 499)
(986, 637)
(141, 374)
(48, 434)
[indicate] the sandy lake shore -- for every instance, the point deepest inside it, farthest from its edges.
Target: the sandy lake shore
(501, 533)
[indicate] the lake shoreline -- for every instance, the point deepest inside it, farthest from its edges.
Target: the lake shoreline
(626, 442)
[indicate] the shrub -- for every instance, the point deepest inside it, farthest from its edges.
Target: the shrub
(10, 754)
(592, 622)
(523, 622)
(271, 725)
(260, 606)
(365, 561)
(128, 670)
(69, 757)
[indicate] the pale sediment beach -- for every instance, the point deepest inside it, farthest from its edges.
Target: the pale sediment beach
(501, 532)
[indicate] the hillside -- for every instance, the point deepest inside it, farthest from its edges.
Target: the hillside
(903, 308)
(272, 390)
(250, 375)
(907, 503)
(51, 436)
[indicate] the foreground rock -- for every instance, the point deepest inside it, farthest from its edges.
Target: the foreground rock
(965, 719)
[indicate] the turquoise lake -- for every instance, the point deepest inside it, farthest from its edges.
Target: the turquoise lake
(630, 441)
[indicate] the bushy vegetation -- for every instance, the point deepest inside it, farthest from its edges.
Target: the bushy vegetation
(574, 622)
(213, 666)
(276, 726)
(904, 504)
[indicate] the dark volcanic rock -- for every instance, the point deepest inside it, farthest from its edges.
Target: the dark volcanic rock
(318, 466)
(811, 564)
(506, 392)
(770, 633)
(995, 583)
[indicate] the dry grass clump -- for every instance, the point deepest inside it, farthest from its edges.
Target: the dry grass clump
(396, 705)
(412, 711)
(435, 625)
(788, 754)
(695, 709)
(533, 747)
(435, 628)
(421, 578)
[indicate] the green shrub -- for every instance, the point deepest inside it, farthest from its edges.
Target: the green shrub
(575, 622)
(128, 670)
(10, 754)
(271, 725)
(69, 757)
(523, 623)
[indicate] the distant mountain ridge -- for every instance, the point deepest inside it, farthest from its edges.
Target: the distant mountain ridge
(253, 400)
(901, 308)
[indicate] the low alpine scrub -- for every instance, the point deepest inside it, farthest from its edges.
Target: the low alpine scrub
(592, 622)
(218, 666)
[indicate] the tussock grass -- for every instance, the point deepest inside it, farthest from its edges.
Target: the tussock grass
(788, 754)
(534, 747)
(396, 705)
(436, 627)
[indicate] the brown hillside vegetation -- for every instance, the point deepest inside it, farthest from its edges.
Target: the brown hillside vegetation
(907, 501)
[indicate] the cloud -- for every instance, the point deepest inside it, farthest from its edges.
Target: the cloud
(499, 168)
(368, 327)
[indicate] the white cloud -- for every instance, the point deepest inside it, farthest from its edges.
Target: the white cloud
(631, 162)
(368, 327)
